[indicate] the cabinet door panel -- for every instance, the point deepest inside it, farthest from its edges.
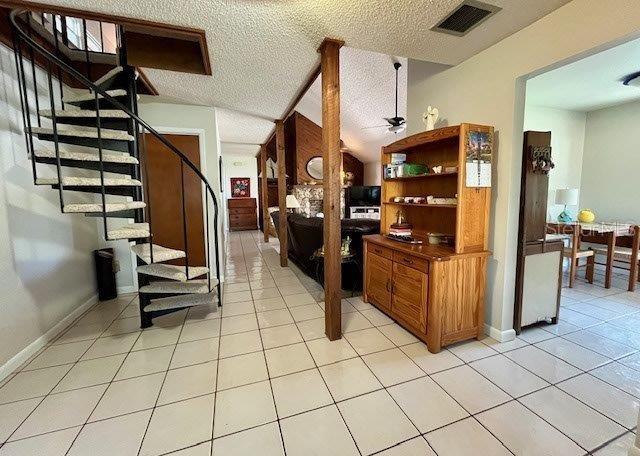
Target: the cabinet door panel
(378, 280)
(409, 299)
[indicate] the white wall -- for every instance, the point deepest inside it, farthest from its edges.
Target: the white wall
(489, 89)
(611, 161)
(567, 144)
(46, 262)
(372, 173)
(239, 166)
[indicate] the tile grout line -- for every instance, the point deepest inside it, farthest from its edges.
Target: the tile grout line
(527, 344)
(57, 383)
(166, 373)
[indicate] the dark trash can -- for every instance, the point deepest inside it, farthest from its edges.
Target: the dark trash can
(105, 273)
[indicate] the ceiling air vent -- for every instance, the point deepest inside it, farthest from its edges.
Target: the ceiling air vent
(466, 17)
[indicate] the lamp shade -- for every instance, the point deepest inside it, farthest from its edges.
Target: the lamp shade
(292, 202)
(567, 196)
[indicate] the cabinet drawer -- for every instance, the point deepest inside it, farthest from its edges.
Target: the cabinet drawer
(378, 250)
(413, 262)
(242, 210)
(409, 296)
(241, 202)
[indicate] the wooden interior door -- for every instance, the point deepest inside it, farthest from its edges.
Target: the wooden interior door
(163, 177)
(378, 272)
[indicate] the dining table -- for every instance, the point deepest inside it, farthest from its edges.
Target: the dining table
(610, 234)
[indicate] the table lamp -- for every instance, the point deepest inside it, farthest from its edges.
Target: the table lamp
(566, 197)
(292, 202)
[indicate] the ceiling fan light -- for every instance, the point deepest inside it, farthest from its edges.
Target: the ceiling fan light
(397, 128)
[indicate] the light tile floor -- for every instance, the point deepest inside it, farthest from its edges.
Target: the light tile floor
(260, 378)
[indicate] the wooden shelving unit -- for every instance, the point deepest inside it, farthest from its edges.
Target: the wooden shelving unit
(434, 291)
(421, 176)
(439, 206)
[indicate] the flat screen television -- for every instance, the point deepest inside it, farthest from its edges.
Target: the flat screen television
(365, 195)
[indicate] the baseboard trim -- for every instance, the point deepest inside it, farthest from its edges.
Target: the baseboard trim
(127, 289)
(500, 336)
(40, 342)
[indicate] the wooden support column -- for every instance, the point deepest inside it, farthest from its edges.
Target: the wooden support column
(282, 193)
(330, 70)
(265, 192)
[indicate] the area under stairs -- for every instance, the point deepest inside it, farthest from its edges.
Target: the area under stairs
(70, 139)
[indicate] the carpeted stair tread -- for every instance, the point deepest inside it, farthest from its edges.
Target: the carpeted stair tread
(193, 286)
(91, 96)
(130, 231)
(71, 181)
(97, 207)
(84, 132)
(93, 156)
(173, 272)
(160, 253)
(76, 113)
(176, 302)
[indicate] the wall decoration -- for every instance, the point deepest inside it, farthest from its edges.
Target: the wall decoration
(540, 159)
(430, 117)
(240, 187)
(479, 148)
(314, 168)
(272, 169)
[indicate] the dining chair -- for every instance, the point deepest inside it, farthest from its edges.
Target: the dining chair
(627, 254)
(573, 251)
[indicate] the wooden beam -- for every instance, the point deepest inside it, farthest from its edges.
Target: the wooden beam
(265, 192)
(330, 64)
(282, 193)
(292, 105)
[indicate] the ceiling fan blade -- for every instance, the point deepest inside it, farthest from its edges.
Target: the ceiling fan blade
(377, 126)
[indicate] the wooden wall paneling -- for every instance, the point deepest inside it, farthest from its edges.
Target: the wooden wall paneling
(290, 146)
(330, 67)
(264, 192)
(282, 193)
(355, 166)
(308, 145)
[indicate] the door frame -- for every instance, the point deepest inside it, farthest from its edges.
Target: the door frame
(199, 132)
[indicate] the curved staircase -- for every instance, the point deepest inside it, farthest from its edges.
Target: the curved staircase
(91, 139)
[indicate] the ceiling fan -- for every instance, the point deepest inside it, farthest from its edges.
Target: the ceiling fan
(395, 124)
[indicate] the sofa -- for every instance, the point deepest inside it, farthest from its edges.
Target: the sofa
(305, 236)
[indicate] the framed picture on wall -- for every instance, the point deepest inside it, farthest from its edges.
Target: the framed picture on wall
(240, 187)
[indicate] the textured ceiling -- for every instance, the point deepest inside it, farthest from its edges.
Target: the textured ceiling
(592, 83)
(367, 95)
(262, 51)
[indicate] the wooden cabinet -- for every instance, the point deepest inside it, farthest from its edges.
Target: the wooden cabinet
(398, 289)
(437, 291)
(430, 290)
(242, 214)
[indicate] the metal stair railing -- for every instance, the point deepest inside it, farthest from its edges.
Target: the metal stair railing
(55, 63)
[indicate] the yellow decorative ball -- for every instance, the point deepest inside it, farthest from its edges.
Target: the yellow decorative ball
(586, 216)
